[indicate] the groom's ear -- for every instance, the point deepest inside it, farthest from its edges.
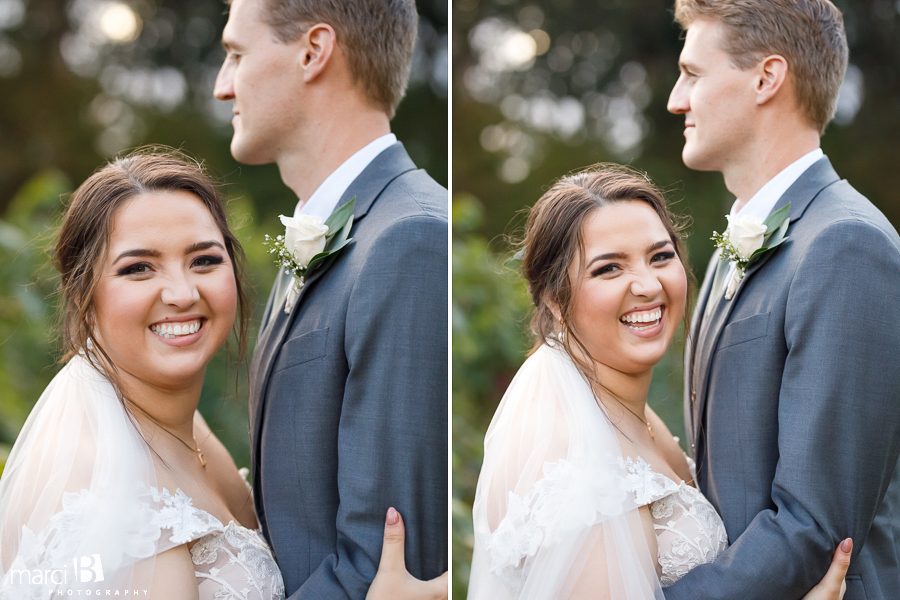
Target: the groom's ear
(771, 73)
(316, 50)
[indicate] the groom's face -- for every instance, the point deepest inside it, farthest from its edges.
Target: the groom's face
(260, 75)
(716, 98)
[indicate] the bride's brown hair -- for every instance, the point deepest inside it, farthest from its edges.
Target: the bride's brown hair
(85, 233)
(554, 241)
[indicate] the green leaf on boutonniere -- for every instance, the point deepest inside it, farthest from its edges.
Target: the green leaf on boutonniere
(338, 219)
(339, 225)
(777, 219)
(776, 227)
(318, 259)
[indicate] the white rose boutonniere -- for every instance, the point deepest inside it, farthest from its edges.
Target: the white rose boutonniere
(307, 242)
(746, 234)
(748, 238)
(304, 237)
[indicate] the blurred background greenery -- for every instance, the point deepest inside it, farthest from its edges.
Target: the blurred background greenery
(544, 88)
(84, 80)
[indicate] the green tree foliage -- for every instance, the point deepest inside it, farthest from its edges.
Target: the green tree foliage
(541, 88)
(488, 346)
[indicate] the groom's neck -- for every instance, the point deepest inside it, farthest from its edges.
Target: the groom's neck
(764, 157)
(326, 143)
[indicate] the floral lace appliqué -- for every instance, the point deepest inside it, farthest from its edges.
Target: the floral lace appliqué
(566, 498)
(178, 514)
(236, 564)
(689, 531)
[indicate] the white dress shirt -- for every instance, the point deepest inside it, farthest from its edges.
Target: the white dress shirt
(763, 201)
(324, 200)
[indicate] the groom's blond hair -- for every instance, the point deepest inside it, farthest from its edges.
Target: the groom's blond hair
(377, 38)
(809, 34)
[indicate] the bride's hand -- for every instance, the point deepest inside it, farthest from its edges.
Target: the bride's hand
(393, 581)
(833, 586)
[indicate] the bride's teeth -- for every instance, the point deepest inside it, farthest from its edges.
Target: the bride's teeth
(171, 331)
(648, 317)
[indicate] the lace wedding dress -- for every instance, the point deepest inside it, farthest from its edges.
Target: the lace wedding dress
(81, 514)
(556, 510)
(231, 562)
(689, 531)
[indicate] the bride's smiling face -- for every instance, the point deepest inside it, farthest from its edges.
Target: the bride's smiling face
(629, 288)
(166, 297)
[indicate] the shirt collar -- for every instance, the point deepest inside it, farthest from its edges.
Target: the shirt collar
(324, 200)
(763, 201)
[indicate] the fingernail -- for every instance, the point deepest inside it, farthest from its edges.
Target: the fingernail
(847, 545)
(393, 517)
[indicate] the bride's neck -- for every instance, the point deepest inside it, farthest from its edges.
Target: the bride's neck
(629, 390)
(171, 408)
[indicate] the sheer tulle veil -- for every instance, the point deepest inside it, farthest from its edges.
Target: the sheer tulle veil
(553, 515)
(78, 503)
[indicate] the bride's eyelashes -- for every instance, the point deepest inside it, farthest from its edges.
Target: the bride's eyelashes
(139, 268)
(207, 261)
(203, 263)
(662, 257)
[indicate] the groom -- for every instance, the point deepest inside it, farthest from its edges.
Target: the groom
(348, 384)
(792, 384)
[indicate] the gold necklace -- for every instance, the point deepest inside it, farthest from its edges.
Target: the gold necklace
(647, 423)
(186, 445)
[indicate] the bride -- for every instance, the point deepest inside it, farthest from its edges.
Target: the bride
(116, 485)
(583, 492)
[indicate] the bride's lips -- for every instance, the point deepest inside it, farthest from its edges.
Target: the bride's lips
(180, 341)
(647, 329)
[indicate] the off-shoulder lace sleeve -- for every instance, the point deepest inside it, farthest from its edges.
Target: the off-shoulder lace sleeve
(177, 521)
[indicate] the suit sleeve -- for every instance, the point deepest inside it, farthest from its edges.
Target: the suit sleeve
(839, 427)
(392, 441)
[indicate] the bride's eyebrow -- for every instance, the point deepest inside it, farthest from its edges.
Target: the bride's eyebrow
(142, 252)
(658, 245)
(203, 246)
(608, 256)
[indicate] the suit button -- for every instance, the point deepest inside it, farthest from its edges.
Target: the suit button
(693, 446)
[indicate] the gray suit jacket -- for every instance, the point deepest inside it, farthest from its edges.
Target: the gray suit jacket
(348, 394)
(792, 392)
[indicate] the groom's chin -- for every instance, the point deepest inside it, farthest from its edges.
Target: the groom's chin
(246, 154)
(693, 160)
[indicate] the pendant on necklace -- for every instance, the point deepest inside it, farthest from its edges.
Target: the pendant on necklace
(650, 429)
(202, 460)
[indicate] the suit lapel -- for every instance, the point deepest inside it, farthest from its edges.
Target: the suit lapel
(819, 176)
(366, 188)
(690, 346)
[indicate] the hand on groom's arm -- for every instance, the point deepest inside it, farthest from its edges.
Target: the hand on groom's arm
(392, 444)
(838, 424)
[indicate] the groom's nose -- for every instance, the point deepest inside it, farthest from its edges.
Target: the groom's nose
(678, 98)
(224, 89)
